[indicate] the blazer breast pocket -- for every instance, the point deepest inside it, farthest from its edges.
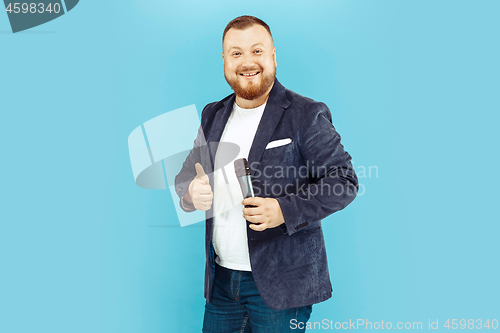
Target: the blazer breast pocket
(278, 143)
(279, 154)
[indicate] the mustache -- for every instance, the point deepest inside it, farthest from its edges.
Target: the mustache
(247, 68)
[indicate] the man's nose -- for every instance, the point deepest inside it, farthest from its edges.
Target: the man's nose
(247, 61)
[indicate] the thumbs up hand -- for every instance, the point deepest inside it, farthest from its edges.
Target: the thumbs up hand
(200, 191)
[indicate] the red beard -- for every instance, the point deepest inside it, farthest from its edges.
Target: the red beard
(252, 90)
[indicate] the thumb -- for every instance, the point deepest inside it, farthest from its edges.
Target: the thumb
(200, 173)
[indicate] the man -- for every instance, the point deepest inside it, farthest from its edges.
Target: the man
(266, 263)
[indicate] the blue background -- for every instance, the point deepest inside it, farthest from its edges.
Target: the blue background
(413, 87)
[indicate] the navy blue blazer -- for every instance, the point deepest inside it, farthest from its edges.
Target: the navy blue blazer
(311, 177)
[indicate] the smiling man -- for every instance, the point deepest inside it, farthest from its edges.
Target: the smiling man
(249, 58)
(265, 256)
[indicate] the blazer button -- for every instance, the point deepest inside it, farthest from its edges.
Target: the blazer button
(302, 225)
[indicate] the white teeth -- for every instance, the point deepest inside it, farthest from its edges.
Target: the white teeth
(251, 74)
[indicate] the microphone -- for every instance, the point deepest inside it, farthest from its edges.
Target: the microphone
(242, 171)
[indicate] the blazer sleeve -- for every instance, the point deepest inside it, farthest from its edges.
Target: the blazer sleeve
(188, 171)
(334, 185)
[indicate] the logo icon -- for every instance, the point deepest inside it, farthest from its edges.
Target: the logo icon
(25, 14)
(159, 147)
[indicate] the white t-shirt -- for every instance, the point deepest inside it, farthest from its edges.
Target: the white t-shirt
(229, 227)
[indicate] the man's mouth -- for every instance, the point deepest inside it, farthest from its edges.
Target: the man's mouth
(249, 75)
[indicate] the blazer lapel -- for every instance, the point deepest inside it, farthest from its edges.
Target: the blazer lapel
(276, 105)
(219, 123)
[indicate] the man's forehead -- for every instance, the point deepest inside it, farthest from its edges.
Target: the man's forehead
(248, 37)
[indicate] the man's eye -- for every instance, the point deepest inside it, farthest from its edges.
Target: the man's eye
(236, 53)
(258, 51)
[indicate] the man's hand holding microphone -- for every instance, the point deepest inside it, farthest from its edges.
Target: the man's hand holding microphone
(262, 213)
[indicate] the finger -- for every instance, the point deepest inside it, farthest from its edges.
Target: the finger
(254, 218)
(203, 208)
(203, 205)
(204, 189)
(201, 176)
(204, 196)
(258, 227)
(204, 193)
(199, 170)
(204, 179)
(252, 211)
(254, 201)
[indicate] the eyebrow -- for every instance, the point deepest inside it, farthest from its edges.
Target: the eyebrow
(239, 48)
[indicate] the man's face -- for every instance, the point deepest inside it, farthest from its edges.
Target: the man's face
(249, 61)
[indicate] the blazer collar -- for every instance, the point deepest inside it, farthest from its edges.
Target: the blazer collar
(276, 104)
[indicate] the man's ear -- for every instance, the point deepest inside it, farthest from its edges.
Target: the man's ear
(274, 56)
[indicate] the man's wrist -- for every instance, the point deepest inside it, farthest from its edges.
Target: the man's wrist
(187, 205)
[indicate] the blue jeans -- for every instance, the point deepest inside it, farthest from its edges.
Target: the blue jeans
(236, 307)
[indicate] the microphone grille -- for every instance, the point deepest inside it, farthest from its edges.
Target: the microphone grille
(241, 167)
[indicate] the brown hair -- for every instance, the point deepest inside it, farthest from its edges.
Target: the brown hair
(243, 22)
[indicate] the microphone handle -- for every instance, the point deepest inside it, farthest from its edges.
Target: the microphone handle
(246, 188)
